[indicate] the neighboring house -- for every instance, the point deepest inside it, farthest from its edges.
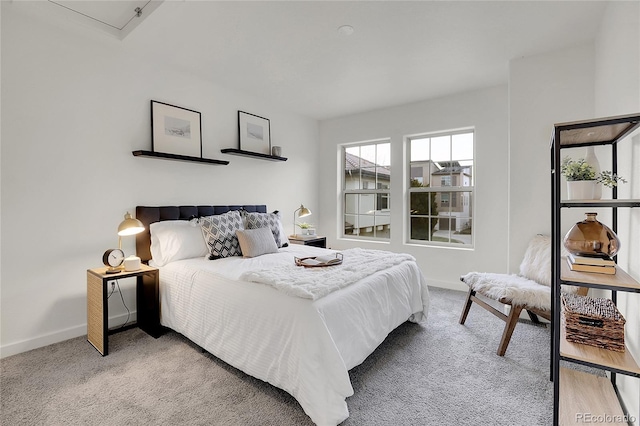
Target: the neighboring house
(365, 211)
(454, 208)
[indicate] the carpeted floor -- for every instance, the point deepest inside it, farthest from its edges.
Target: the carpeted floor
(434, 373)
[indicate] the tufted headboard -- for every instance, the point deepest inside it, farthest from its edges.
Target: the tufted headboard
(149, 215)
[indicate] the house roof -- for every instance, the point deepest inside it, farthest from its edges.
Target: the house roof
(353, 163)
(451, 167)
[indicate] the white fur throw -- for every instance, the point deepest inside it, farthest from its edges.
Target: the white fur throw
(536, 264)
(512, 288)
(314, 283)
(531, 288)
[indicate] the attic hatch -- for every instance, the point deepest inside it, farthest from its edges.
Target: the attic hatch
(117, 18)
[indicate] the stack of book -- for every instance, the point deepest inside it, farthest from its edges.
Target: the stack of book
(598, 264)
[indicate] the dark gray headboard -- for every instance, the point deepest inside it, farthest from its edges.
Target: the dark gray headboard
(149, 215)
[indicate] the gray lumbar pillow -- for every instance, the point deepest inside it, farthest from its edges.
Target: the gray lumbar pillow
(256, 242)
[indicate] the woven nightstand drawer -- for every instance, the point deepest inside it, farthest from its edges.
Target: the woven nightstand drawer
(593, 321)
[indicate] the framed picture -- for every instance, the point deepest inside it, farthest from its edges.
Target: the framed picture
(254, 132)
(175, 130)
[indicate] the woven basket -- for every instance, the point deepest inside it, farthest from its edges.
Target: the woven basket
(593, 321)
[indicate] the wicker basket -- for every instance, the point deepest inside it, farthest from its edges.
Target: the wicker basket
(593, 321)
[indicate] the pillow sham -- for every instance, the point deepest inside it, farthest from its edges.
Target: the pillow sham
(268, 220)
(173, 240)
(219, 233)
(256, 242)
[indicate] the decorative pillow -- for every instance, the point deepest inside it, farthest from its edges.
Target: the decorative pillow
(256, 242)
(271, 221)
(219, 232)
(173, 240)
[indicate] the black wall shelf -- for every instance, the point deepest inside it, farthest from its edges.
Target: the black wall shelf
(166, 156)
(260, 155)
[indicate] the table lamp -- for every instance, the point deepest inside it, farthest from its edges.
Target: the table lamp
(129, 226)
(302, 212)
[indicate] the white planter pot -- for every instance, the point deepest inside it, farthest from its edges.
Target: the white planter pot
(581, 189)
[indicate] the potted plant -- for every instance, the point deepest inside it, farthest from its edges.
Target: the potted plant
(582, 178)
(609, 179)
(304, 226)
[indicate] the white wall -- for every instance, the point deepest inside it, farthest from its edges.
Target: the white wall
(575, 84)
(75, 103)
(617, 91)
(545, 89)
(486, 111)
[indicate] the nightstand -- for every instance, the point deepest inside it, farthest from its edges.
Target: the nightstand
(147, 304)
(309, 240)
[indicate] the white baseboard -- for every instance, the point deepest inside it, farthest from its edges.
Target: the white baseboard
(456, 285)
(58, 336)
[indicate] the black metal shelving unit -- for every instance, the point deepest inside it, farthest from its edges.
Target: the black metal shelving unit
(571, 386)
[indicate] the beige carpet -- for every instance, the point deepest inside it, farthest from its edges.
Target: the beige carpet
(435, 373)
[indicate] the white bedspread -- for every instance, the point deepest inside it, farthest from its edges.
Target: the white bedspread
(314, 283)
(303, 346)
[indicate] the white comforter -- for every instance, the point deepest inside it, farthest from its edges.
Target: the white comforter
(303, 346)
(317, 282)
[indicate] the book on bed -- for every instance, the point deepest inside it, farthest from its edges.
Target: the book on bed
(326, 260)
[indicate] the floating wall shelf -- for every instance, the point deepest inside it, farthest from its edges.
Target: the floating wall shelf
(260, 155)
(166, 156)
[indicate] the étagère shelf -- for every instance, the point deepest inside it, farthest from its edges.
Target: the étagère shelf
(577, 393)
(234, 151)
(177, 157)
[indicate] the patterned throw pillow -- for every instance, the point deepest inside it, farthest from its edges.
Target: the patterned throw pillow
(268, 220)
(219, 232)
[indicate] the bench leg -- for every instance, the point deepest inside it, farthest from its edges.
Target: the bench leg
(512, 320)
(534, 317)
(467, 306)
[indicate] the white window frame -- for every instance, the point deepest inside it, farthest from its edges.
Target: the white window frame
(454, 190)
(375, 192)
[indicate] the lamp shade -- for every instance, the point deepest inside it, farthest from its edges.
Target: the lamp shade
(130, 226)
(303, 211)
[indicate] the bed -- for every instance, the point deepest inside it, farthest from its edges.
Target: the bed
(303, 344)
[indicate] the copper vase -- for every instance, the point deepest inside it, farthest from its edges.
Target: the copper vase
(591, 238)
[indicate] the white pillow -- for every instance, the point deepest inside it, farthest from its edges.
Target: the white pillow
(173, 240)
(256, 242)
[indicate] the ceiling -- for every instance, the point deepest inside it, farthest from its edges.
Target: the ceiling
(117, 18)
(292, 54)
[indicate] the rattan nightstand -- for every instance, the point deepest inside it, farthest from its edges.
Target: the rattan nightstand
(147, 304)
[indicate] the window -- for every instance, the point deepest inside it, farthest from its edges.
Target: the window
(444, 200)
(449, 180)
(441, 188)
(365, 190)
